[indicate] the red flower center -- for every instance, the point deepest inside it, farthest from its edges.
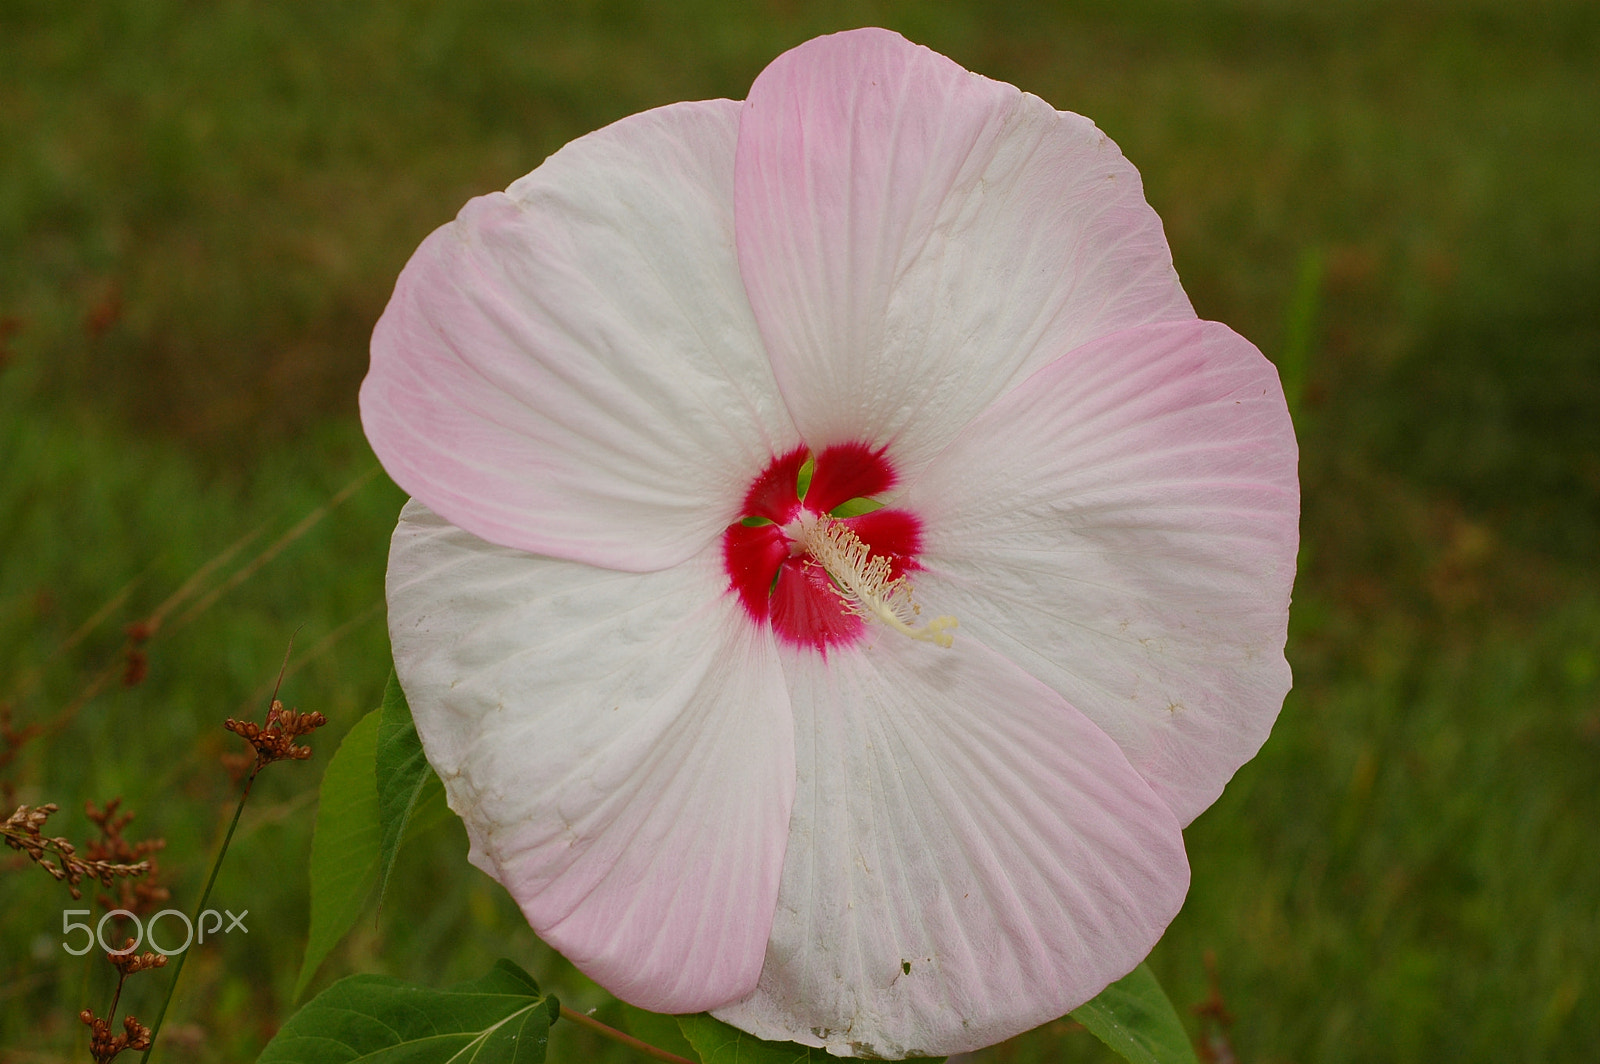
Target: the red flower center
(771, 554)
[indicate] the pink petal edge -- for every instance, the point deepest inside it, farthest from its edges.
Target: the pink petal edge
(619, 746)
(916, 239)
(969, 856)
(1124, 526)
(571, 367)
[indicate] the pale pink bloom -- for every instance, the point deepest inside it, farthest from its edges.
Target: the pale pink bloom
(696, 725)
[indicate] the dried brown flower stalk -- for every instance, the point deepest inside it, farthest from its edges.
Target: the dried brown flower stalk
(272, 741)
(141, 896)
(12, 740)
(10, 325)
(24, 830)
(136, 663)
(103, 1045)
(1215, 1020)
(128, 963)
(276, 740)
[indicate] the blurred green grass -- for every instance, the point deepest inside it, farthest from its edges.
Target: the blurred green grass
(202, 210)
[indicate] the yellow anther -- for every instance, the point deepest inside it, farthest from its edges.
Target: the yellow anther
(863, 580)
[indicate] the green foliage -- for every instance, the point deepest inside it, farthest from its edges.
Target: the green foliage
(855, 507)
(656, 1029)
(406, 782)
(1136, 1019)
(1133, 1016)
(718, 1043)
(377, 791)
(344, 848)
(501, 1018)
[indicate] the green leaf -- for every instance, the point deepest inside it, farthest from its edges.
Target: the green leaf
(718, 1043)
(344, 845)
(658, 1029)
(406, 783)
(802, 480)
(1134, 1017)
(855, 507)
(375, 1019)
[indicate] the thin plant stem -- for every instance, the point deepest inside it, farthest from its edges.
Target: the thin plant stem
(216, 866)
(157, 620)
(197, 578)
(275, 548)
(111, 1013)
(30, 678)
(620, 1036)
(152, 623)
(322, 647)
(97, 684)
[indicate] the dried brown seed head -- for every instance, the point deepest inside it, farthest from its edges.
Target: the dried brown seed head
(275, 740)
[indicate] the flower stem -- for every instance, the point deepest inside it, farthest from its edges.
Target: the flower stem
(618, 1036)
(111, 1013)
(177, 969)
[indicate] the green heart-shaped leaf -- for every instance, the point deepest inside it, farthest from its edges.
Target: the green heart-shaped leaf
(373, 1019)
(344, 845)
(1135, 1017)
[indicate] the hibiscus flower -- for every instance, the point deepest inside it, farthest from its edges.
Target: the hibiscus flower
(839, 561)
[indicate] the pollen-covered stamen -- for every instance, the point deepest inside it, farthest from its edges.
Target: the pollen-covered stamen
(864, 581)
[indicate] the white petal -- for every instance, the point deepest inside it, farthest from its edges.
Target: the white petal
(957, 818)
(619, 746)
(571, 367)
(1124, 527)
(917, 239)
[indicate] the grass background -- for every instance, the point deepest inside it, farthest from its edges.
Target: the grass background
(203, 207)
